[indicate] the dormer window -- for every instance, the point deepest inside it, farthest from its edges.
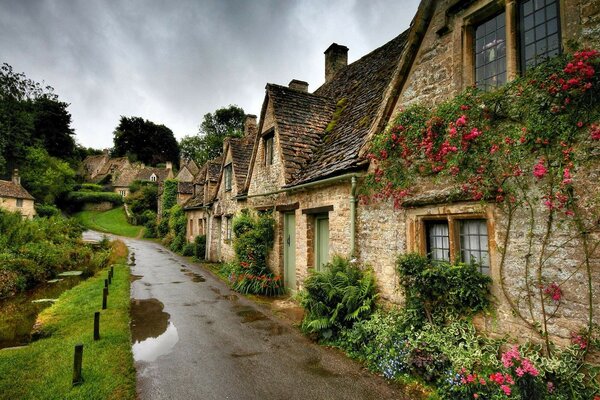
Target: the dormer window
(153, 178)
(227, 173)
(268, 141)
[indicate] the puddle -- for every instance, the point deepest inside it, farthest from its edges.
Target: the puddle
(272, 329)
(314, 366)
(215, 290)
(152, 333)
(231, 297)
(133, 278)
(195, 277)
(177, 282)
(250, 315)
(18, 313)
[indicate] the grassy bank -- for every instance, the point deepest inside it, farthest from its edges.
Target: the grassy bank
(111, 221)
(43, 370)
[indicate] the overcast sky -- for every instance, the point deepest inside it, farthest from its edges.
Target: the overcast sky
(173, 61)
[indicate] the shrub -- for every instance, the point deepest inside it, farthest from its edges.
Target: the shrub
(80, 198)
(436, 291)
(9, 283)
(337, 297)
(200, 247)
(89, 187)
(188, 249)
(46, 210)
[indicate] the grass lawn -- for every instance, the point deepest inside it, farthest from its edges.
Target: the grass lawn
(44, 369)
(111, 221)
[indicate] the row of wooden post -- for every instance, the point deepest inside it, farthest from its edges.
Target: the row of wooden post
(78, 357)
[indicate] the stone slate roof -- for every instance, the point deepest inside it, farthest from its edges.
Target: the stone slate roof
(214, 169)
(126, 176)
(241, 152)
(196, 201)
(200, 177)
(185, 187)
(358, 91)
(112, 165)
(145, 173)
(301, 118)
(193, 167)
(92, 163)
(11, 189)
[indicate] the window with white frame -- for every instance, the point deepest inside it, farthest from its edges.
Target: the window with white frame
(227, 174)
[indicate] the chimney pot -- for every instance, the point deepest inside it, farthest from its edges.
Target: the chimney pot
(169, 165)
(298, 85)
(15, 177)
(336, 58)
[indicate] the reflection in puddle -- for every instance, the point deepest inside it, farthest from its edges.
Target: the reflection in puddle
(152, 348)
(250, 315)
(195, 277)
(152, 333)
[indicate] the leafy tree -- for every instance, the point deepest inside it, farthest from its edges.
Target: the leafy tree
(215, 127)
(145, 141)
(52, 128)
(47, 178)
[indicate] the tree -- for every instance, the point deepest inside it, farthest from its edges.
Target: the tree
(145, 141)
(47, 178)
(52, 128)
(215, 127)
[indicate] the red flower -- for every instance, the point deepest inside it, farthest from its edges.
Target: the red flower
(539, 170)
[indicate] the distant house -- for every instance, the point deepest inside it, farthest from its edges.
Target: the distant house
(187, 171)
(138, 172)
(14, 197)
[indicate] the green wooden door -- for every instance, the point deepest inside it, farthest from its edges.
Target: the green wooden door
(321, 241)
(289, 250)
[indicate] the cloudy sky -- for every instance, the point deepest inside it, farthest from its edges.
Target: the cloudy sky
(173, 61)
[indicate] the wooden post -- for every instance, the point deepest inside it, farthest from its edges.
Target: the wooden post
(106, 283)
(77, 363)
(112, 271)
(109, 278)
(97, 325)
(104, 296)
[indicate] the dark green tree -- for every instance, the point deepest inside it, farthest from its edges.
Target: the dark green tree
(215, 127)
(52, 128)
(145, 141)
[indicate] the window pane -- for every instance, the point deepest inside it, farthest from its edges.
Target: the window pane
(438, 241)
(474, 242)
(490, 39)
(528, 7)
(545, 36)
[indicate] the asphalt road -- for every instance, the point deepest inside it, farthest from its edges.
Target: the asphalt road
(196, 339)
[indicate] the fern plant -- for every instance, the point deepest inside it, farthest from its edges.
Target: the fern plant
(337, 297)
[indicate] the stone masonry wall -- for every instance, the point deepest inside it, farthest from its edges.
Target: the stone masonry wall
(10, 204)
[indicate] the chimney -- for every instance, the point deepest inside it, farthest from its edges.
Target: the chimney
(15, 177)
(250, 126)
(336, 58)
(299, 85)
(169, 165)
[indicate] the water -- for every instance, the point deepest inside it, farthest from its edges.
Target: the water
(18, 314)
(152, 332)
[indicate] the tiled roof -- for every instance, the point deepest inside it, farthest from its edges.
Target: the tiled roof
(214, 169)
(113, 164)
(195, 201)
(11, 189)
(301, 118)
(193, 167)
(358, 91)
(145, 173)
(185, 187)
(200, 177)
(241, 151)
(126, 176)
(92, 163)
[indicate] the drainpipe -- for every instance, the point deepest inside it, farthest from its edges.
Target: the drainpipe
(353, 218)
(208, 235)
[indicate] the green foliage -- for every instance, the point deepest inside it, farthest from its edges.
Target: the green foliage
(199, 247)
(46, 210)
(142, 199)
(89, 187)
(144, 141)
(337, 297)
(253, 239)
(78, 199)
(149, 222)
(215, 127)
(169, 196)
(46, 178)
(188, 249)
(32, 251)
(437, 290)
(111, 221)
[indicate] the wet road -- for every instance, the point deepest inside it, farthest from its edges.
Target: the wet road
(196, 339)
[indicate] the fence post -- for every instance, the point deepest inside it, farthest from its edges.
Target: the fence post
(97, 325)
(104, 296)
(77, 363)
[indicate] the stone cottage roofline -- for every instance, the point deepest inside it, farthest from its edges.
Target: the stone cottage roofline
(14, 190)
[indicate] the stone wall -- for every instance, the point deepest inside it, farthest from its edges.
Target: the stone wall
(103, 206)
(10, 204)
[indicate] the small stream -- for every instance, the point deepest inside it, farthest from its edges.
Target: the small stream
(18, 314)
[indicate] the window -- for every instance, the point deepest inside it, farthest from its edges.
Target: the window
(540, 32)
(227, 176)
(321, 235)
(20, 203)
(268, 142)
(153, 178)
(228, 228)
(490, 53)
(464, 240)
(122, 192)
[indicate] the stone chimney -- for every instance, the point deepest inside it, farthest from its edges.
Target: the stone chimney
(250, 125)
(169, 165)
(336, 58)
(299, 85)
(16, 179)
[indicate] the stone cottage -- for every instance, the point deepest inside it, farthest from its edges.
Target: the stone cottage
(14, 197)
(309, 156)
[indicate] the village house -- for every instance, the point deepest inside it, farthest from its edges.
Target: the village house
(14, 197)
(309, 157)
